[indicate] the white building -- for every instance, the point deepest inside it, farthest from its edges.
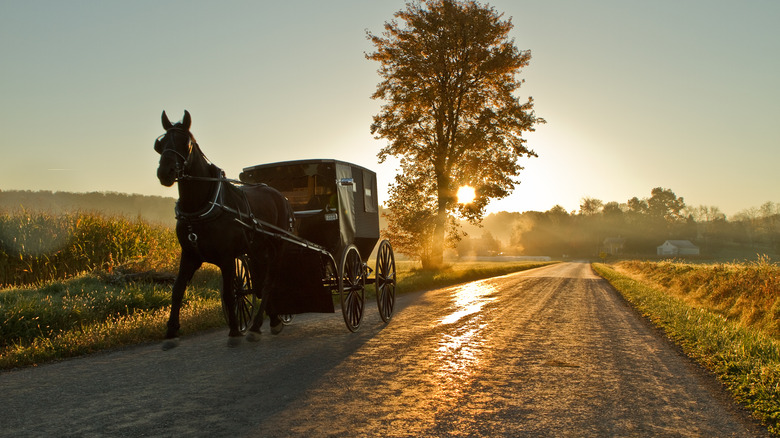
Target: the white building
(678, 247)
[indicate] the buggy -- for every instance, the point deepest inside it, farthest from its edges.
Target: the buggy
(326, 254)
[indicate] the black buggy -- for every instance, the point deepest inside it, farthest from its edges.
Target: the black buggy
(336, 230)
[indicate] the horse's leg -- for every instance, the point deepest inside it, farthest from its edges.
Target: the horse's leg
(187, 267)
(267, 286)
(260, 270)
(272, 275)
(229, 298)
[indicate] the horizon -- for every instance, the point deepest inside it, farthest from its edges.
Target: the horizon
(382, 206)
(636, 96)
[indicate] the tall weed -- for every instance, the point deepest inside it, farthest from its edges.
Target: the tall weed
(39, 247)
(748, 293)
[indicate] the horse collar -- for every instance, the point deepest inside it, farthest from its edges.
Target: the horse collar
(211, 210)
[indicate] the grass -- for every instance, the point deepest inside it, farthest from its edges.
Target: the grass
(746, 359)
(84, 314)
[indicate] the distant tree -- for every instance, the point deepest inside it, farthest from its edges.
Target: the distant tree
(591, 206)
(487, 245)
(613, 209)
(448, 79)
(637, 206)
(760, 226)
(703, 213)
(666, 205)
(547, 233)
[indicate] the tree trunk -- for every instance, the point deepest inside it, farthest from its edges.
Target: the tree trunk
(435, 259)
(436, 255)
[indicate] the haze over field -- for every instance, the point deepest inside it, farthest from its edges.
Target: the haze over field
(637, 95)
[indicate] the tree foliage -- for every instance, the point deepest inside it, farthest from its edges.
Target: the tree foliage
(447, 73)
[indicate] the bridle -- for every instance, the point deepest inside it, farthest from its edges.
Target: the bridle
(180, 160)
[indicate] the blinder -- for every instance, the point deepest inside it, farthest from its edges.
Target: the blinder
(158, 144)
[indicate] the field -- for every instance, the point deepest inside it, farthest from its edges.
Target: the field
(38, 247)
(59, 302)
(724, 316)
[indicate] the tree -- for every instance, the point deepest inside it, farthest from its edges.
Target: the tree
(448, 80)
(664, 204)
(590, 206)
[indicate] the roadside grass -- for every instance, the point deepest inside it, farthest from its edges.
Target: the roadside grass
(86, 314)
(746, 360)
(748, 293)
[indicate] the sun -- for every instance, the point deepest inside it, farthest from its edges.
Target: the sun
(466, 195)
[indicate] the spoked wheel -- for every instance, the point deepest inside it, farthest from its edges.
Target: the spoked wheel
(352, 287)
(330, 275)
(245, 299)
(385, 280)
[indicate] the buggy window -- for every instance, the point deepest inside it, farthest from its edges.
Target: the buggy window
(370, 202)
(307, 186)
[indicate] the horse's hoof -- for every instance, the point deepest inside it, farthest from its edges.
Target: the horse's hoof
(170, 343)
(253, 336)
(234, 341)
(276, 329)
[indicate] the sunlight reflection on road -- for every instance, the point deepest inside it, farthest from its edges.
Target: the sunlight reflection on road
(470, 298)
(460, 349)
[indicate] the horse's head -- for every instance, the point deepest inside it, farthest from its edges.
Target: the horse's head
(174, 148)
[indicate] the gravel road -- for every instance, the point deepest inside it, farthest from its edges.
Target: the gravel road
(548, 352)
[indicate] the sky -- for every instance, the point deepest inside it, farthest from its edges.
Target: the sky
(636, 94)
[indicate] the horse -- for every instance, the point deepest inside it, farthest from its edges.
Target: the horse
(207, 214)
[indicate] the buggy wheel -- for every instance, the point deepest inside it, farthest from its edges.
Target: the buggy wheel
(352, 287)
(245, 299)
(330, 275)
(385, 280)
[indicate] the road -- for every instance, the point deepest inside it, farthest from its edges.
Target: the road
(548, 352)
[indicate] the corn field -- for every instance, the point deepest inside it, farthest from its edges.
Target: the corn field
(39, 247)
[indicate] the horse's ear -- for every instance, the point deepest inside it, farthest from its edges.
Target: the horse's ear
(165, 122)
(187, 120)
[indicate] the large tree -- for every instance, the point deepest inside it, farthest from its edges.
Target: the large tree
(448, 71)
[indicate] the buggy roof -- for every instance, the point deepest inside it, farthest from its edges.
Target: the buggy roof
(310, 161)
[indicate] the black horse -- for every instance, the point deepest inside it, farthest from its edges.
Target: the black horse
(206, 226)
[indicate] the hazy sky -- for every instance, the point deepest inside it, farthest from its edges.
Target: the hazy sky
(637, 94)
